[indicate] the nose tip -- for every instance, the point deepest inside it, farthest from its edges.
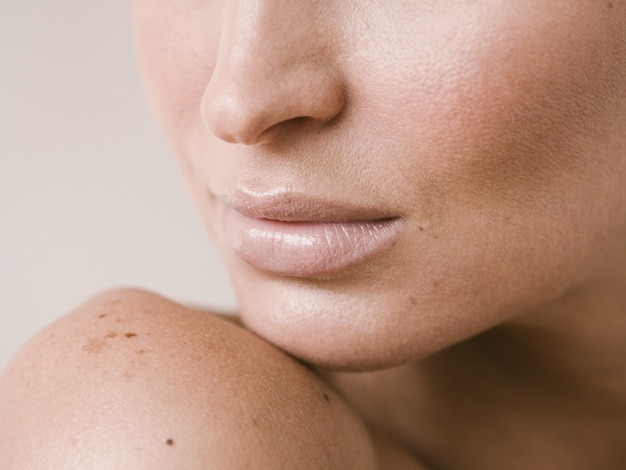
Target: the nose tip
(242, 108)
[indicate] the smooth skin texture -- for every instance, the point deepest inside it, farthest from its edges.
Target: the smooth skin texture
(493, 333)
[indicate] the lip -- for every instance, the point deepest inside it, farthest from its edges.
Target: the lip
(291, 234)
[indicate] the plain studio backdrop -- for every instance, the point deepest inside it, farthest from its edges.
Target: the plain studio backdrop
(90, 195)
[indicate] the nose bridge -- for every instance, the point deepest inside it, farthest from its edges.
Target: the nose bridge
(273, 65)
(268, 32)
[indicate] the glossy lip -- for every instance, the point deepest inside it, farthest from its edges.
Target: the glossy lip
(291, 234)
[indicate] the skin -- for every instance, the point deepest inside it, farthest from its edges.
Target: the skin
(132, 380)
(496, 132)
(485, 127)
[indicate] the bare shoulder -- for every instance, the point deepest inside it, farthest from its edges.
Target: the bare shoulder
(133, 380)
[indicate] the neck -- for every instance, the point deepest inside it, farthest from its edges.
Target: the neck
(547, 390)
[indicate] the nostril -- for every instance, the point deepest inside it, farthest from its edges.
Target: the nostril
(232, 118)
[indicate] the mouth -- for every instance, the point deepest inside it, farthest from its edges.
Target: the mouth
(291, 234)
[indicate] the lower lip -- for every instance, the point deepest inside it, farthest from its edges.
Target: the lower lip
(307, 249)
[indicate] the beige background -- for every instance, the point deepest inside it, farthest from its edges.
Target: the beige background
(90, 196)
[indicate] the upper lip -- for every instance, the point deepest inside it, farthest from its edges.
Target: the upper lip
(286, 205)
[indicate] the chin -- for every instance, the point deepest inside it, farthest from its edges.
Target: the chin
(354, 326)
(384, 317)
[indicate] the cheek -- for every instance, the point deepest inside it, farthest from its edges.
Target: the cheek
(502, 116)
(176, 43)
(497, 90)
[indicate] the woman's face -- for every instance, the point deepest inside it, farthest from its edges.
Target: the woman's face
(386, 178)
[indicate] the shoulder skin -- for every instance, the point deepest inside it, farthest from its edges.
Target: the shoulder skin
(132, 380)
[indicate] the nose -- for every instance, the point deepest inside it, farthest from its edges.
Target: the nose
(274, 67)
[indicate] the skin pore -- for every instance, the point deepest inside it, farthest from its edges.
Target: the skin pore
(489, 332)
